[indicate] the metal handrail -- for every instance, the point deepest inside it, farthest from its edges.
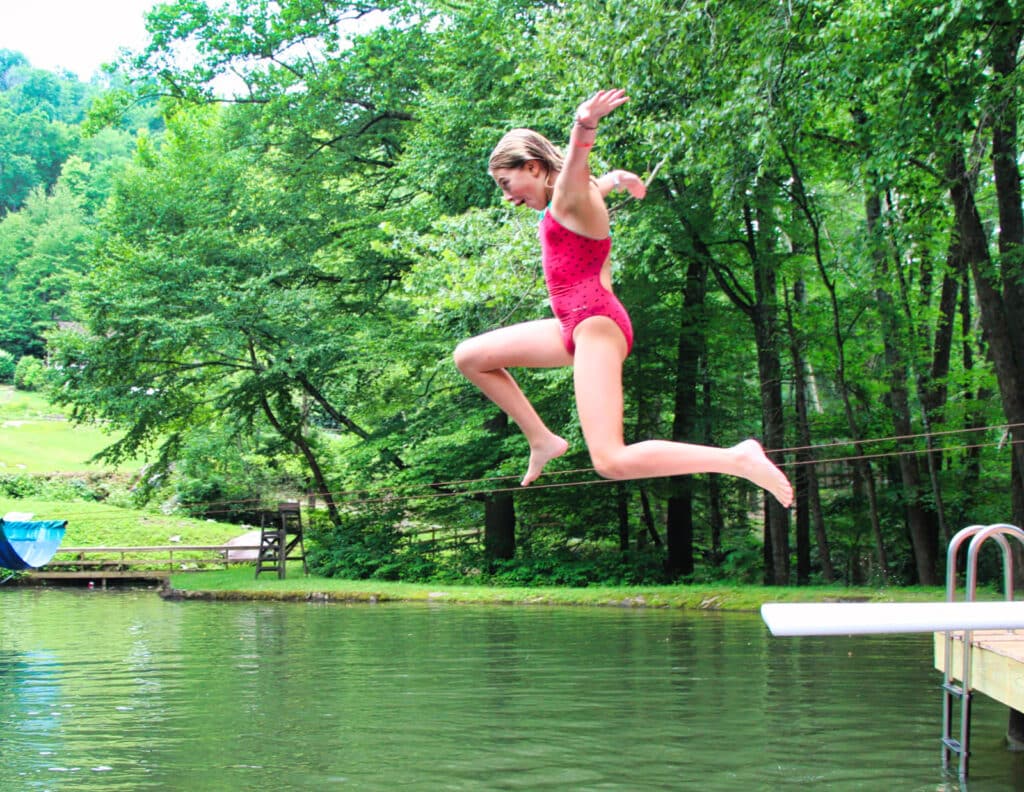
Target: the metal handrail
(978, 534)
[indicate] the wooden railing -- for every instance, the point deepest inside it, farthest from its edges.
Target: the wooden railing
(168, 558)
(431, 540)
(159, 561)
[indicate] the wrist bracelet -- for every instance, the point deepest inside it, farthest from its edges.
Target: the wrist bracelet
(580, 123)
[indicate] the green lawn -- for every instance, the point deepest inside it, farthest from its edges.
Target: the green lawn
(93, 524)
(36, 438)
(240, 583)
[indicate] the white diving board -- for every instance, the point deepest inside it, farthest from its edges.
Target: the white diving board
(865, 618)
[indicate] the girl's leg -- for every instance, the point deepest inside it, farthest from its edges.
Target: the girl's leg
(600, 350)
(484, 360)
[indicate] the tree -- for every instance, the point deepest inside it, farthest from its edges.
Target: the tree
(44, 248)
(197, 311)
(37, 113)
(329, 235)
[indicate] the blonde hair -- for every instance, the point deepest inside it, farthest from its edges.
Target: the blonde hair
(520, 146)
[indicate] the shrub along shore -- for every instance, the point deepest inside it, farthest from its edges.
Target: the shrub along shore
(239, 583)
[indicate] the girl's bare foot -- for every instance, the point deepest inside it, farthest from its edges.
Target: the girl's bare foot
(541, 455)
(758, 468)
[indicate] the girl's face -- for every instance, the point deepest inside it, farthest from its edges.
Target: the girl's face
(524, 185)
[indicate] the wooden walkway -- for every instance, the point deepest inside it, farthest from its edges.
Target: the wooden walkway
(153, 563)
(997, 663)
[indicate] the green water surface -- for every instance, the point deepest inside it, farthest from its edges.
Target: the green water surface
(124, 691)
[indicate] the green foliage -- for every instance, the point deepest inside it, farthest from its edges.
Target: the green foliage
(366, 545)
(267, 291)
(30, 374)
(53, 487)
(44, 248)
(372, 547)
(7, 367)
(39, 113)
(225, 476)
(587, 567)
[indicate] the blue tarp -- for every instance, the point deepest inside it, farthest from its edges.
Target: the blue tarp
(29, 544)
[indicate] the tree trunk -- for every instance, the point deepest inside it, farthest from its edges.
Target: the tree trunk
(645, 509)
(622, 510)
(761, 310)
(931, 387)
(974, 417)
(716, 521)
(690, 348)
(499, 527)
(499, 509)
(923, 531)
(995, 320)
(769, 367)
(862, 468)
(1007, 34)
(317, 395)
(303, 446)
(808, 495)
(679, 530)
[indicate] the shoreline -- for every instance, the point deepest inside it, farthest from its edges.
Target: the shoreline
(240, 585)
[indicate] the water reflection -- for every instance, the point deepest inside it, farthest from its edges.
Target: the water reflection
(116, 690)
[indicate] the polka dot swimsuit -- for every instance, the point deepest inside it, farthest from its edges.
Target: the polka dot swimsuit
(572, 271)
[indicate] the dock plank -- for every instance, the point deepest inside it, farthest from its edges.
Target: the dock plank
(997, 663)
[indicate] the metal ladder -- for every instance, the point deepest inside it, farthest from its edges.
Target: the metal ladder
(952, 692)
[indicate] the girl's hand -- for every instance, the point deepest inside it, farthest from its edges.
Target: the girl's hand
(600, 105)
(632, 183)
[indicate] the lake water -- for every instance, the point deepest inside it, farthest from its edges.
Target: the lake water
(109, 690)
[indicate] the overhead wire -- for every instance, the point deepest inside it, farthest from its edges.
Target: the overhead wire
(461, 487)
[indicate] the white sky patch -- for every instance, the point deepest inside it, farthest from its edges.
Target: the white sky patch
(77, 35)
(83, 35)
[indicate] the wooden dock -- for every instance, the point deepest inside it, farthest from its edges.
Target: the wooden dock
(997, 663)
(126, 564)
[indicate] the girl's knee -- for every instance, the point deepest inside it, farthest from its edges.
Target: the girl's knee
(464, 356)
(608, 464)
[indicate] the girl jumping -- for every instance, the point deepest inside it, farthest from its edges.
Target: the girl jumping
(591, 330)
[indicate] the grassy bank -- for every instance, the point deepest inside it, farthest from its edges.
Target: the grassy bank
(36, 438)
(92, 524)
(240, 583)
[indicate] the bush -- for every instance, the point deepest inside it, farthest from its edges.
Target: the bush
(353, 552)
(53, 487)
(368, 546)
(6, 367)
(30, 374)
(14, 486)
(579, 568)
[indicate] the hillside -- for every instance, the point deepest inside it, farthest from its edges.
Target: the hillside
(36, 441)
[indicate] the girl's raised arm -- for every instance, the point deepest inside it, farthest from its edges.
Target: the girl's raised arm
(572, 193)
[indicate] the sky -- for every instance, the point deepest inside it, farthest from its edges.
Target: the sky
(77, 35)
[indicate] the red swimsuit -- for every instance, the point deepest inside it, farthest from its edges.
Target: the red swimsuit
(572, 271)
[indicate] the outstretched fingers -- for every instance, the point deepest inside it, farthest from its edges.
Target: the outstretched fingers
(601, 104)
